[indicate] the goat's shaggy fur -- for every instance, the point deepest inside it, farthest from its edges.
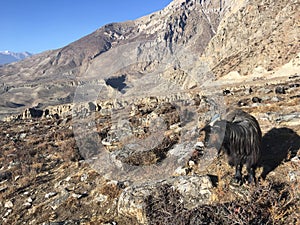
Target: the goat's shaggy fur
(238, 134)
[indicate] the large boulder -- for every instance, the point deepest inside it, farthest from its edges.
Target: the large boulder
(188, 191)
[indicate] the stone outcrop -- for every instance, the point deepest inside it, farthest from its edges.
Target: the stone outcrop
(192, 191)
(256, 36)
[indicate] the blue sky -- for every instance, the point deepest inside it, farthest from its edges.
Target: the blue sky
(40, 25)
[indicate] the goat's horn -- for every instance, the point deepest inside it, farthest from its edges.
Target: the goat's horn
(214, 119)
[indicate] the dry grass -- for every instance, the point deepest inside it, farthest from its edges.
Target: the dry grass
(48, 155)
(269, 203)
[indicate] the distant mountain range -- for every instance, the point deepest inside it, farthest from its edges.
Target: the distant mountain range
(9, 57)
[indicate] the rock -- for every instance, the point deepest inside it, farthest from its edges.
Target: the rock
(3, 188)
(8, 204)
(92, 106)
(294, 76)
(256, 100)
(250, 91)
(292, 176)
(50, 194)
(180, 171)
(291, 119)
(101, 198)
(5, 175)
(27, 205)
(60, 199)
(192, 191)
(110, 223)
(276, 99)
(78, 196)
(295, 96)
(84, 177)
(266, 98)
(280, 90)
(294, 85)
(199, 146)
(23, 135)
(264, 90)
(226, 92)
(243, 102)
(8, 212)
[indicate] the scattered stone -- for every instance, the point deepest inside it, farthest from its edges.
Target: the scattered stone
(23, 135)
(256, 100)
(84, 177)
(199, 147)
(3, 188)
(191, 163)
(292, 176)
(266, 98)
(250, 91)
(264, 90)
(292, 118)
(193, 191)
(295, 96)
(6, 175)
(8, 212)
(294, 76)
(243, 102)
(79, 196)
(226, 92)
(8, 205)
(101, 198)
(27, 205)
(294, 85)
(280, 90)
(296, 159)
(180, 171)
(276, 99)
(50, 194)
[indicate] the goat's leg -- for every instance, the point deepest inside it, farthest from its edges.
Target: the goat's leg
(251, 174)
(238, 174)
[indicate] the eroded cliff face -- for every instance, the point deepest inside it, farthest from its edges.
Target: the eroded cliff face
(260, 34)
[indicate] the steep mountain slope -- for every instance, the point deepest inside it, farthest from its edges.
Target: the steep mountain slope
(261, 34)
(51, 76)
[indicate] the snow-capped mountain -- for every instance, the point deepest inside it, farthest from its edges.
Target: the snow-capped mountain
(9, 57)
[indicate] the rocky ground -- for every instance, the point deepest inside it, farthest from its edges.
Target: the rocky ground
(45, 180)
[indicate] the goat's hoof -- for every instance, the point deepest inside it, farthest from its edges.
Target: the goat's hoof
(251, 180)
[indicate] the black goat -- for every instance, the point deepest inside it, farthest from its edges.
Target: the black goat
(238, 134)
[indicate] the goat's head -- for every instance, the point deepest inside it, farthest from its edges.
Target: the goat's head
(214, 133)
